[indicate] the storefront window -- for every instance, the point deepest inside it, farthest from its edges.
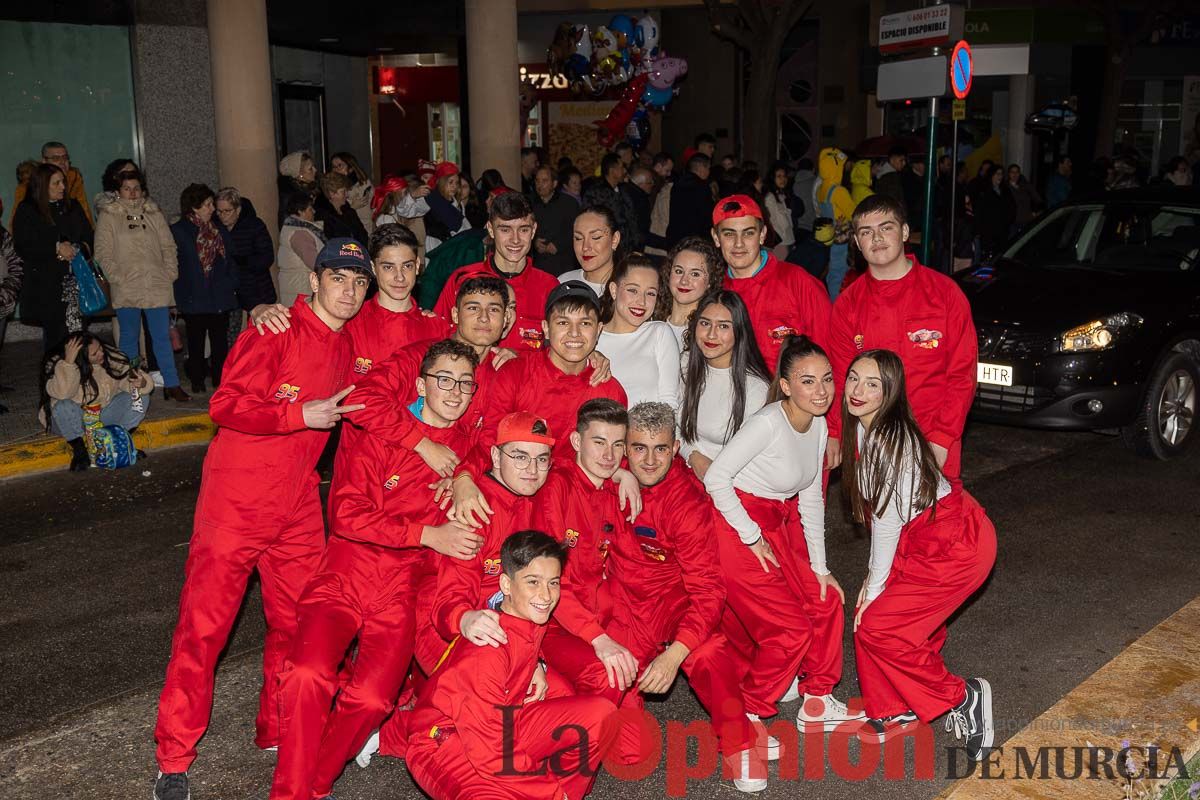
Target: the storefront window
(1149, 122)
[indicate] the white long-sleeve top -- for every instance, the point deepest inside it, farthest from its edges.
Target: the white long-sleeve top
(714, 413)
(646, 362)
(679, 331)
(771, 459)
(407, 208)
(580, 275)
(899, 511)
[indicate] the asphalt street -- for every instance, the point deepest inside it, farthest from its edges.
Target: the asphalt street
(1096, 547)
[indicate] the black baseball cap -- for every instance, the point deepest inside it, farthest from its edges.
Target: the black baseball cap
(344, 253)
(573, 289)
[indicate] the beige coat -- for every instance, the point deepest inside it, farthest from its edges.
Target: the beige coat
(294, 269)
(136, 250)
(64, 384)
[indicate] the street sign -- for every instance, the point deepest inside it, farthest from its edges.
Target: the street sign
(960, 110)
(916, 78)
(921, 27)
(960, 70)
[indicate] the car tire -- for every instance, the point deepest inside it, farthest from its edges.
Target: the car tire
(1165, 425)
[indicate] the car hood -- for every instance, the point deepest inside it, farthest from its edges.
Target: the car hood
(1037, 298)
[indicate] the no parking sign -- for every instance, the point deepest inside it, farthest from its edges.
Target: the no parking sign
(960, 70)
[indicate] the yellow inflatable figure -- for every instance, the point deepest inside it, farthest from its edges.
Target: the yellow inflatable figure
(860, 181)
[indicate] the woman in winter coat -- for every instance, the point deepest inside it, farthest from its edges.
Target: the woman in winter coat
(253, 252)
(136, 250)
(48, 229)
(334, 211)
(297, 173)
(206, 290)
(361, 191)
(300, 240)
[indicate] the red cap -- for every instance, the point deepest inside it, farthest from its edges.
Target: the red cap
(499, 190)
(390, 184)
(736, 205)
(522, 426)
(444, 169)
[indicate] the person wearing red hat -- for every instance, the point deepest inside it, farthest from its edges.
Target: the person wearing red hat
(395, 202)
(474, 733)
(512, 227)
(383, 529)
(917, 313)
(446, 216)
(259, 505)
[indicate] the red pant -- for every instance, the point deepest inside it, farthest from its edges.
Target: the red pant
(285, 548)
(767, 617)
(942, 558)
(361, 591)
(444, 770)
(821, 667)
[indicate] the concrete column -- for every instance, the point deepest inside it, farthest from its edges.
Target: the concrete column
(241, 89)
(492, 76)
(1020, 105)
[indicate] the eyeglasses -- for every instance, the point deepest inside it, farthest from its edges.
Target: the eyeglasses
(522, 460)
(446, 383)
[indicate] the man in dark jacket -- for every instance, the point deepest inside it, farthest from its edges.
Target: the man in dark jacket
(606, 191)
(691, 201)
(253, 251)
(890, 181)
(638, 189)
(555, 215)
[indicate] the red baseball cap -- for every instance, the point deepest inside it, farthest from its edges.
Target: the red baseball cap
(522, 426)
(444, 169)
(736, 205)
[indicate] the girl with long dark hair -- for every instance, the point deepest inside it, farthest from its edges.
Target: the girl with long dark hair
(725, 378)
(932, 546)
(83, 377)
(785, 607)
(642, 352)
(692, 269)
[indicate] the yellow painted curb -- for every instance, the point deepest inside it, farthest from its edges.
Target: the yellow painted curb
(47, 452)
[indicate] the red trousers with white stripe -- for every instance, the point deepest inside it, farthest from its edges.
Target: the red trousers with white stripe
(943, 556)
(361, 591)
(444, 769)
(285, 547)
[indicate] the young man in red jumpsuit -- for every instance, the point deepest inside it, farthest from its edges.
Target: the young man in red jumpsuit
(917, 313)
(664, 576)
(259, 505)
(511, 226)
(384, 526)
(475, 734)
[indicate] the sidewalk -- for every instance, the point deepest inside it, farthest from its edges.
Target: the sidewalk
(25, 448)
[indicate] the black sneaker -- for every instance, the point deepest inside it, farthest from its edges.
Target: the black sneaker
(172, 786)
(971, 720)
(882, 726)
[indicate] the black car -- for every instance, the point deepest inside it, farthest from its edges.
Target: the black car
(1091, 320)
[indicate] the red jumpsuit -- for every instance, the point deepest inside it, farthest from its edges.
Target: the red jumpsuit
(471, 736)
(259, 507)
(943, 556)
(365, 589)
(376, 333)
(535, 384)
(666, 585)
(531, 287)
(783, 299)
(925, 319)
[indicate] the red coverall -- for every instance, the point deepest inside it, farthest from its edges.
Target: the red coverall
(943, 556)
(365, 588)
(534, 384)
(258, 507)
(376, 333)
(471, 736)
(783, 299)
(665, 579)
(532, 287)
(925, 319)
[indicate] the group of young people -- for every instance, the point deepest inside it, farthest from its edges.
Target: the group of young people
(549, 498)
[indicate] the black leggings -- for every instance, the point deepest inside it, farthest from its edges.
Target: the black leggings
(216, 328)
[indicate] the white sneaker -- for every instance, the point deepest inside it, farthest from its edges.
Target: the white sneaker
(747, 763)
(363, 759)
(157, 377)
(272, 749)
(793, 692)
(826, 711)
(772, 744)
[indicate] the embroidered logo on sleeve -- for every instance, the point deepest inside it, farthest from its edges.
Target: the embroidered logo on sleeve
(392, 482)
(858, 341)
(491, 566)
(287, 391)
(362, 365)
(925, 338)
(571, 537)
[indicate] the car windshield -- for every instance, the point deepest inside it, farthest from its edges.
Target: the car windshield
(1144, 237)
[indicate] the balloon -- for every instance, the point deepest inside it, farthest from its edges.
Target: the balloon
(646, 36)
(622, 26)
(611, 127)
(656, 97)
(604, 43)
(638, 129)
(583, 42)
(665, 71)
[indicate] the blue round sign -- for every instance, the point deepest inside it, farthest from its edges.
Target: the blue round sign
(960, 70)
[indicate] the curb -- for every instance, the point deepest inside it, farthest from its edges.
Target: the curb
(47, 452)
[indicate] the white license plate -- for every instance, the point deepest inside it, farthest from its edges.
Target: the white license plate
(995, 374)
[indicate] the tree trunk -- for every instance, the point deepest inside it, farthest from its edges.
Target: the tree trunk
(758, 121)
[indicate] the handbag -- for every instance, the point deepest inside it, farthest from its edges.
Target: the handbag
(92, 297)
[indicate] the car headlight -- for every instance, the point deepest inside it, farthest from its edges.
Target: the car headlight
(1099, 334)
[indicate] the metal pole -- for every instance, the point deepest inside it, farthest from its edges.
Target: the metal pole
(930, 172)
(953, 192)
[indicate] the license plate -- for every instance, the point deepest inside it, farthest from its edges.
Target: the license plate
(995, 374)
